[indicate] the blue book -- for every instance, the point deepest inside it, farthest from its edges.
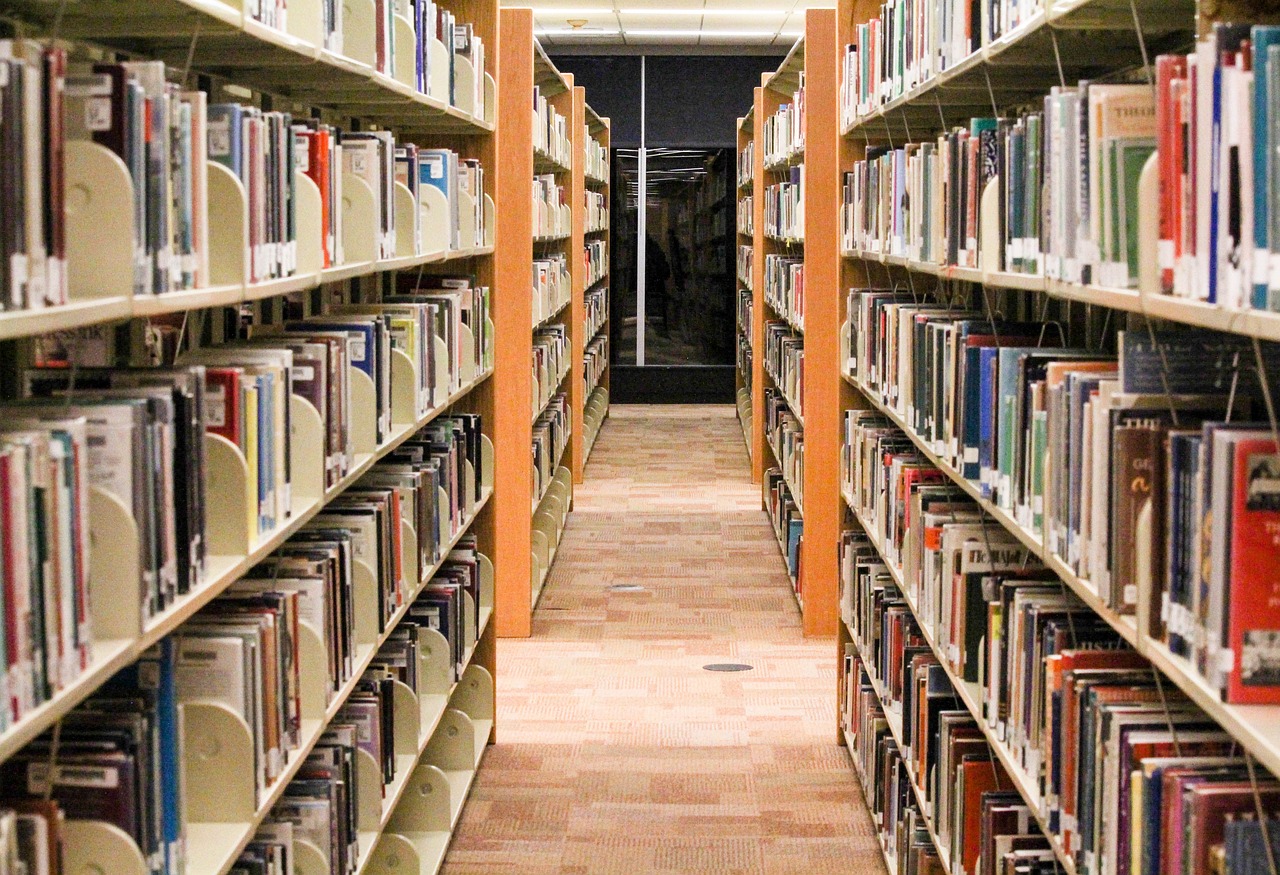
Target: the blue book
(1184, 466)
(1264, 164)
(266, 466)
(795, 531)
(988, 364)
(226, 127)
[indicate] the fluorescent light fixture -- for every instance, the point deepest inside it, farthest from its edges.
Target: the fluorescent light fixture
(575, 31)
(543, 12)
(641, 10)
(757, 34)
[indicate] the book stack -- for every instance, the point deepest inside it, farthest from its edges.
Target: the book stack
(1038, 669)
(1035, 428)
(452, 308)
(119, 756)
(784, 362)
(552, 218)
(596, 305)
(552, 286)
(746, 215)
(550, 361)
(784, 207)
(551, 133)
(595, 253)
(33, 247)
(939, 798)
(788, 522)
(747, 165)
(784, 431)
(321, 804)
(596, 213)
(594, 360)
(909, 43)
(595, 156)
(784, 287)
(116, 759)
(746, 305)
(784, 130)
(550, 437)
(746, 257)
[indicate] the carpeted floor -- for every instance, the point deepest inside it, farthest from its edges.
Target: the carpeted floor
(617, 753)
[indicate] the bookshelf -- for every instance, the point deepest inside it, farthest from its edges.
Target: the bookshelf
(593, 293)
(1053, 46)
(782, 155)
(530, 231)
(445, 721)
(745, 304)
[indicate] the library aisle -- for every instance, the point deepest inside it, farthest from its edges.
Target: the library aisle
(618, 752)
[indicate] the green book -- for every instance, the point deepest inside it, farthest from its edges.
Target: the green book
(1039, 437)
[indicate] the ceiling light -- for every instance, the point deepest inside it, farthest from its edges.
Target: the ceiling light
(575, 31)
(755, 34)
(641, 10)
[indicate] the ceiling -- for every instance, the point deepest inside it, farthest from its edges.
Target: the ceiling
(614, 23)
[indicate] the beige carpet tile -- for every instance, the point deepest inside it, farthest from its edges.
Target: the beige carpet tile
(617, 753)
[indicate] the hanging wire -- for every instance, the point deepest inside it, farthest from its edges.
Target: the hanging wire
(1168, 715)
(1057, 57)
(1265, 379)
(1142, 43)
(54, 749)
(191, 52)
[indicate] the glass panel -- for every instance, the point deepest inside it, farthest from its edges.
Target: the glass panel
(689, 281)
(623, 216)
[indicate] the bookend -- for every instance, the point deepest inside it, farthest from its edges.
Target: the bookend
(435, 219)
(228, 228)
(92, 846)
(306, 22)
(466, 207)
(309, 223)
(218, 752)
(306, 452)
(464, 84)
(490, 217)
(439, 85)
(359, 229)
(446, 382)
(408, 398)
(490, 105)
(468, 344)
(99, 223)
(474, 697)
(115, 580)
(408, 223)
(406, 65)
(359, 34)
(364, 413)
(452, 750)
(233, 521)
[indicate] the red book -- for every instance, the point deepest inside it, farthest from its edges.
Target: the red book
(1253, 620)
(980, 774)
(55, 76)
(1168, 131)
(222, 402)
(318, 172)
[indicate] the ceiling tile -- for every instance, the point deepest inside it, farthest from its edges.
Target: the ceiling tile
(736, 38)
